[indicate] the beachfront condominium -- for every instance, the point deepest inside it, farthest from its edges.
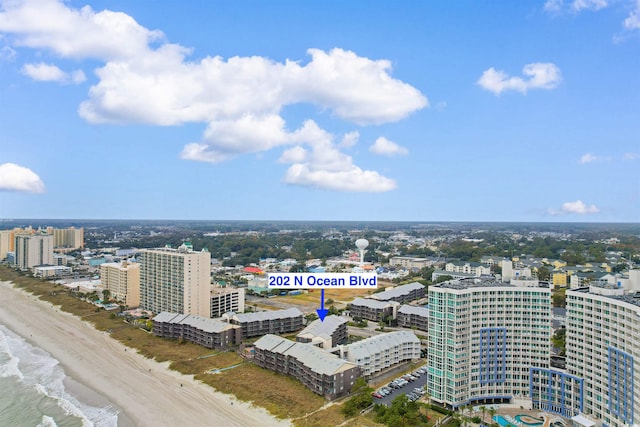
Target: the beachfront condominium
(326, 334)
(210, 333)
(322, 372)
(175, 280)
(484, 337)
(266, 322)
(122, 280)
(603, 349)
(33, 250)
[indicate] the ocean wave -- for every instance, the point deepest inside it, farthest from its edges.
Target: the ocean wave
(36, 368)
(47, 422)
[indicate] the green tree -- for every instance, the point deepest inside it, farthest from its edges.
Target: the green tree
(360, 398)
(105, 295)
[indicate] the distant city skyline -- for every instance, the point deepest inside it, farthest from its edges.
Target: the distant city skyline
(373, 111)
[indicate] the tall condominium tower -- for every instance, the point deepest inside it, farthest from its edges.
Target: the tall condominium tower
(72, 238)
(603, 350)
(175, 280)
(33, 250)
(483, 339)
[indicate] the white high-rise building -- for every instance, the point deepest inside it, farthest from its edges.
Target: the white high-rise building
(122, 280)
(175, 280)
(603, 350)
(484, 338)
(33, 250)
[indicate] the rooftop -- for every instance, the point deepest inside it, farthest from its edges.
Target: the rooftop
(201, 323)
(323, 329)
(372, 303)
(317, 360)
(413, 309)
(261, 316)
(380, 343)
(398, 291)
(480, 282)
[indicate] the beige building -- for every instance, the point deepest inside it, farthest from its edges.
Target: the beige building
(122, 280)
(33, 250)
(71, 238)
(224, 300)
(175, 280)
(5, 243)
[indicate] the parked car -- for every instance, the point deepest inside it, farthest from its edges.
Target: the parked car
(376, 395)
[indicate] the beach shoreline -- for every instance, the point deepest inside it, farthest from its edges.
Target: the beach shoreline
(101, 370)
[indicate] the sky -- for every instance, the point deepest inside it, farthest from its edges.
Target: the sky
(321, 110)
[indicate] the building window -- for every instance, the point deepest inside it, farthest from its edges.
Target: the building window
(493, 349)
(621, 384)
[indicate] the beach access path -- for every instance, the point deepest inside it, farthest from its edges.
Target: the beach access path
(147, 392)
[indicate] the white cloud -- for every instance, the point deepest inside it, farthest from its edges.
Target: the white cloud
(632, 22)
(553, 5)
(577, 207)
(588, 158)
(631, 156)
(50, 73)
(538, 76)
(75, 33)
(18, 178)
(579, 5)
(7, 54)
(324, 166)
(387, 148)
(144, 79)
(350, 139)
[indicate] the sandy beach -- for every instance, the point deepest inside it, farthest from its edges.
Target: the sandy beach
(146, 392)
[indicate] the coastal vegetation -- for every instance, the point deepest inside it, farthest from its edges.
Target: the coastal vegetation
(225, 371)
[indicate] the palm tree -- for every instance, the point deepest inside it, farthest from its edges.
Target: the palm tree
(492, 413)
(483, 409)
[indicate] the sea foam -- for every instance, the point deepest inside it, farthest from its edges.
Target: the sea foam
(37, 369)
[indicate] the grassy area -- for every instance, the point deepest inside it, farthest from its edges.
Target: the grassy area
(282, 396)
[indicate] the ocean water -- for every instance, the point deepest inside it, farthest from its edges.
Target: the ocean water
(33, 393)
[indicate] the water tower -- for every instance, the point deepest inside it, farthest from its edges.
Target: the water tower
(362, 244)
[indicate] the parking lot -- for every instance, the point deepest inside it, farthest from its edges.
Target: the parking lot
(406, 389)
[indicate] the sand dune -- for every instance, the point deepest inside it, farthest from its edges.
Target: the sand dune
(147, 392)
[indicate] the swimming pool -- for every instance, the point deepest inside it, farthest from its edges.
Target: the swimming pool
(502, 421)
(537, 423)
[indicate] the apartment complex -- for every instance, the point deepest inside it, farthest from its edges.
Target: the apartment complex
(175, 280)
(411, 262)
(266, 322)
(603, 350)
(210, 333)
(468, 267)
(322, 372)
(374, 310)
(382, 351)
(224, 300)
(411, 316)
(484, 337)
(325, 334)
(402, 294)
(69, 238)
(122, 280)
(33, 250)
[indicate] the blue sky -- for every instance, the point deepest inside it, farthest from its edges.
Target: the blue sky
(321, 110)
